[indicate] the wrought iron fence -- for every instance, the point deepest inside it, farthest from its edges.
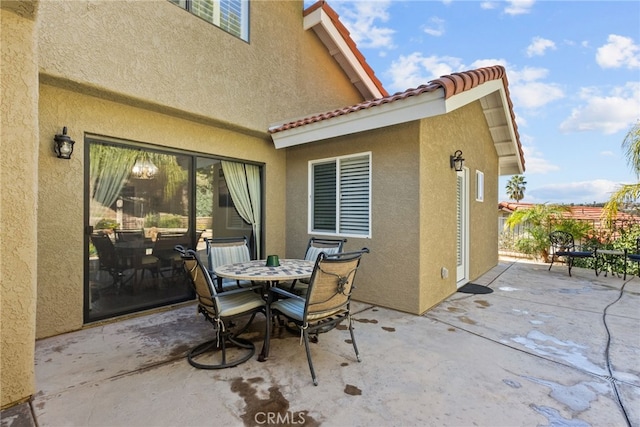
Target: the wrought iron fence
(622, 234)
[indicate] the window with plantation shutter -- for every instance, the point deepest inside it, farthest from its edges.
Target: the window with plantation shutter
(340, 196)
(230, 15)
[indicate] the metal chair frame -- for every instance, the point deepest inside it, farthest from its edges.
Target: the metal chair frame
(326, 304)
(314, 247)
(238, 248)
(563, 244)
(212, 305)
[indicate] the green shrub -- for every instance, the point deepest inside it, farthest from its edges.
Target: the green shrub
(107, 223)
(162, 221)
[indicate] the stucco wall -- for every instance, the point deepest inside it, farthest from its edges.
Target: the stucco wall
(150, 72)
(462, 129)
(392, 263)
(18, 199)
(413, 206)
(61, 187)
(157, 54)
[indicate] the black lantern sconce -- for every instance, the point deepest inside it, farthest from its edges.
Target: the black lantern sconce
(456, 161)
(63, 145)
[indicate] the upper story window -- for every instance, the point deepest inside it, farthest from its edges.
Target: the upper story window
(230, 15)
(340, 196)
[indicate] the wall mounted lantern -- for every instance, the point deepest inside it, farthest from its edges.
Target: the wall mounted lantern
(456, 161)
(63, 145)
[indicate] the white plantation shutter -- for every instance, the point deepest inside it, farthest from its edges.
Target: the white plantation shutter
(230, 15)
(341, 196)
(354, 195)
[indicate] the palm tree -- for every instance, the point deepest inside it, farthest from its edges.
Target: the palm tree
(539, 220)
(516, 187)
(627, 193)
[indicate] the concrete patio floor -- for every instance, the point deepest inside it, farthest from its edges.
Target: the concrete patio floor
(542, 349)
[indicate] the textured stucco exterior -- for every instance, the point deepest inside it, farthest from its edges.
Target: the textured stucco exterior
(463, 129)
(18, 199)
(158, 56)
(142, 71)
(140, 76)
(413, 206)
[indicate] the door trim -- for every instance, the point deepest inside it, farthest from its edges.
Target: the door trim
(462, 227)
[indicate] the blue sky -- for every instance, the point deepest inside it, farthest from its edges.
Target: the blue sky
(573, 70)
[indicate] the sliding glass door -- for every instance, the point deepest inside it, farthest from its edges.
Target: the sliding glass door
(141, 203)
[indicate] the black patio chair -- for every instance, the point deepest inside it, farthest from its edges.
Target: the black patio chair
(326, 304)
(314, 247)
(108, 259)
(563, 245)
(220, 309)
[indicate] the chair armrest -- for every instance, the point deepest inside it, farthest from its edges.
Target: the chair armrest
(286, 294)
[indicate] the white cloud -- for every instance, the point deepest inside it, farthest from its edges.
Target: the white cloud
(598, 190)
(362, 17)
(527, 91)
(415, 69)
(535, 161)
(488, 5)
(618, 52)
(518, 7)
(435, 27)
(607, 153)
(538, 46)
(610, 113)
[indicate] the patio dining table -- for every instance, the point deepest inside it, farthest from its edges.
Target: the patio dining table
(257, 270)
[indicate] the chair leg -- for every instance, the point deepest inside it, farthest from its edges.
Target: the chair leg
(570, 264)
(353, 340)
(213, 345)
(307, 347)
(551, 265)
(220, 343)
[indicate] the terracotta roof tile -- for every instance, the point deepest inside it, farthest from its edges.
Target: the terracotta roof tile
(586, 213)
(452, 85)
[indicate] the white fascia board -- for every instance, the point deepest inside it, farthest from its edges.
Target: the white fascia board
(480, 91)
(473, 94)
(401, 111)
(319, 18)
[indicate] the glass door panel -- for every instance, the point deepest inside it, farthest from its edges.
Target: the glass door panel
(215, 210)
(139, 209)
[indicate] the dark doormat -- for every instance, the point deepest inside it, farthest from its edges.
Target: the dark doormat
(472, 288)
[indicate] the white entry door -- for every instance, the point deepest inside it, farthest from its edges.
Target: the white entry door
(462, 232)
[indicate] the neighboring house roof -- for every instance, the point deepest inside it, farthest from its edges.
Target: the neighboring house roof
(325, 23)
(488, 85)
(585, 213)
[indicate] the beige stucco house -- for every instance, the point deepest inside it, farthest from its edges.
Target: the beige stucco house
(202, 91)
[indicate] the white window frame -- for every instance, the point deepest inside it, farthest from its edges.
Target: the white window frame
(216, 13)
(338, 160)
(479, 186)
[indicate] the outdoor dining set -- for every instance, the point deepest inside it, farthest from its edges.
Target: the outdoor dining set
(563, 245)
(309, 296)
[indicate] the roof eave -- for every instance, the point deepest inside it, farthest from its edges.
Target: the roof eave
(389, 114)
(324, 22)
(492, 96)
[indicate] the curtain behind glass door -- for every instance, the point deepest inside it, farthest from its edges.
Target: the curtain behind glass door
(139, 208)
